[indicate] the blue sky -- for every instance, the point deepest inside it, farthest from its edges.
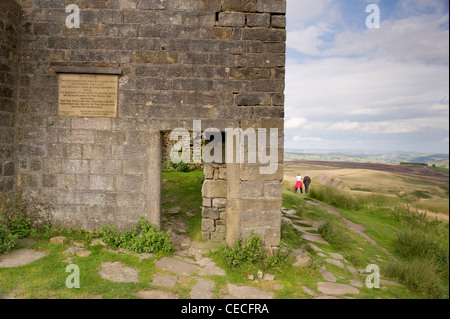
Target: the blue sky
(351, 87)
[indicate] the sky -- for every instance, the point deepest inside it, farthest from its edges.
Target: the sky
(349, 86)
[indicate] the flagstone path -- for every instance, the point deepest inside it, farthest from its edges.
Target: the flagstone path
(188, 265)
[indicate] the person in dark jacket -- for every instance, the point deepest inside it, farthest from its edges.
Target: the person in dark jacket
(306, 182)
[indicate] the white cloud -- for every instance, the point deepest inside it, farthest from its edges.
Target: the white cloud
(306, 139)
(416, 38)
(339, 89)
(295, 122)
(300, 12)
(414, 6)
(307, 40)
(380, 85)
(344, 126)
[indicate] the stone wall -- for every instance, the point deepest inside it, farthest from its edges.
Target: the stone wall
(214, 202)
(219, 61)
(9, 44)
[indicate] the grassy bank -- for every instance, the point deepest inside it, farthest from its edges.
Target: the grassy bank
(420, 244)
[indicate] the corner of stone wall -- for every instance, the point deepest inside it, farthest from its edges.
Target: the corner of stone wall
(9, 30)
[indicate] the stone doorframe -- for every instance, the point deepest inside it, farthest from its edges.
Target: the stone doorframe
(154, 190)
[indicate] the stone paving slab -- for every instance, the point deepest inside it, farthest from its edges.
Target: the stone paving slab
(116, 272)
(334, 262)
(212, 269)
(20, 257)
(314, 238)
(203, 289)
(331, 288)
(177, 266)
(247, 292)
(164, 281)
(155, 294)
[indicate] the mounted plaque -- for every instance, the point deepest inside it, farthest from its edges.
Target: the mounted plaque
(87, 95)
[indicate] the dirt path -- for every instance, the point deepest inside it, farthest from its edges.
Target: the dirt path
(357, 228)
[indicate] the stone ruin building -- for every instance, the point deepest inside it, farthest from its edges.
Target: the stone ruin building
(85, 110)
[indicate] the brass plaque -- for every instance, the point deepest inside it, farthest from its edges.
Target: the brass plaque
(87, 95)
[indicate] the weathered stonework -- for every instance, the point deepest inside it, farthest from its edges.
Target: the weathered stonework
(218, 61)
(9, 46)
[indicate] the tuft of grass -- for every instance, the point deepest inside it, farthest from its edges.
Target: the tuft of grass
(335, 197)
(335, 234)
(419, 276)
(413, 244)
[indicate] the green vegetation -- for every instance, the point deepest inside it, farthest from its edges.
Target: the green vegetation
(335, 234)
(7, 239)
(177, 167)
(420, 244)
(248, 256)
(419, 247)
(142, 239)
(184, 190)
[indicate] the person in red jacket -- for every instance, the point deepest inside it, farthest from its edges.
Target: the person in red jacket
(299, 184)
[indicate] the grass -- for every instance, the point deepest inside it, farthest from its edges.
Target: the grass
(420, 244)
(184, 190)
(384, 217)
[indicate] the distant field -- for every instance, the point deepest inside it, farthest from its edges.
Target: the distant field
(422, 187)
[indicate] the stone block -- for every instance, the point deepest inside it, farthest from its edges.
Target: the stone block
(155, 57)
(105, 167)
(273, 189)
(207, 225)
(272, 6)
(278, 21)
(258, 20)
(240, 5)
(101, 182)
(214, 189)
(272, 236)
(92, 151)
(49, 181)
(75, 166)
(258, 204)
(218, 236)
(207, 202)
(110, 137)
(135, 167)
(91, 123)
(66, 181)
(219, 202)
(231, 19)
(130, 183)
(263, 34)
(184, 5)
(130, 199)
(251, 189)
(260, 219)
(210, 213)
(210, 5)
(253, 99)
(222, 33)
(77, 136)
(151, 4)
(247, 73)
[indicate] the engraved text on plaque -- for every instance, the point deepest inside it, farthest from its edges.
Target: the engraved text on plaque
(87, 95)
